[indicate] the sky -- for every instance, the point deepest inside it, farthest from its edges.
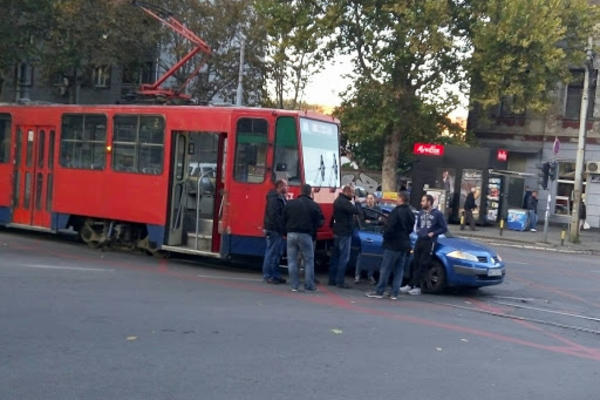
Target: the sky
(324, 87)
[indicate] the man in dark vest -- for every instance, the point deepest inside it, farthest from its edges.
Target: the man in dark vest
(274, 230)
(469, 207)
(343, 224)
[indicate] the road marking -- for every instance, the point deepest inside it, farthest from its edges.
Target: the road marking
(56, 267)
(229, 278)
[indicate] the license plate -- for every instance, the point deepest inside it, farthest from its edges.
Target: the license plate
(494, 272)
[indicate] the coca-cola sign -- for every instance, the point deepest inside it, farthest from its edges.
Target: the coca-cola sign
(502, 155)
(428, 149)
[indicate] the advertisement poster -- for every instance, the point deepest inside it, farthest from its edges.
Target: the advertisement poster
(471, 178)
(493, 198)
(445, 180)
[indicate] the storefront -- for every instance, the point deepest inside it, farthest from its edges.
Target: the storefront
(451, 172)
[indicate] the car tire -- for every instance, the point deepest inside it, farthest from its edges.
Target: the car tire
(435, 278)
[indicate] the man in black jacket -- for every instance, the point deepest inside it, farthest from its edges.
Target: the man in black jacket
(430, 224)
(469, 207)
(532, 206)
(302, 217)
(343, 225)
(274, 230)
(396, 247)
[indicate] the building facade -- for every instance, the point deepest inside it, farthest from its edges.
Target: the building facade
(530, 139)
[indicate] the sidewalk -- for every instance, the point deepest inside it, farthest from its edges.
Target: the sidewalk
(589, 240)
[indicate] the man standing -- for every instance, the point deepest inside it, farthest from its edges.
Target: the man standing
(532, 206)
(430, 224)
(396, 247)
(343, 224)
(302, 218)
(469, 207)
(274, 230)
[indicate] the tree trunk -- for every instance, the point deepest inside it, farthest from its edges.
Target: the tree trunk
(391, 154)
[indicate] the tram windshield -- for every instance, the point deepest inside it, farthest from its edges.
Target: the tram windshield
(320, 153)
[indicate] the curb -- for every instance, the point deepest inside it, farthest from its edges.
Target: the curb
(531, 246)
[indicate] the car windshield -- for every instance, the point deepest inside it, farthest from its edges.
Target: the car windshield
(320, 153)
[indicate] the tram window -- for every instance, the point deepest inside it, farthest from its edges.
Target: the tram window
(251, 150)
(286, 164)
(138, 144)
(82, 142)
(4, 138)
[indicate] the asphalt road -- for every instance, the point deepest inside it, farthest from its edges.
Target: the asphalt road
(78, 323)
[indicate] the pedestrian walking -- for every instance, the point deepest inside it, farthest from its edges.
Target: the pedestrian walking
(469, 207)
(582, 214)
(343, 224)
(396, 247)
(430, 224)
(302, 217)
(274, 229)
(532, 207)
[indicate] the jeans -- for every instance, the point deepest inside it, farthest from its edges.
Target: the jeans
(532, 219)
(359, 268)
(393, 262)
(339, 259)
(423, 251)
(301, 244)
(272, 255)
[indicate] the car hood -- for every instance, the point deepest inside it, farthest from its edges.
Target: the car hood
(455, 243)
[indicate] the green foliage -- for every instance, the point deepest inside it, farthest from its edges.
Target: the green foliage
(522, 48)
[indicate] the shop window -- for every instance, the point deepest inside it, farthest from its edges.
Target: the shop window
(4, 138)
(138, 144)
(101, 76)
(564, 188)
(286, 165)
(83, 141)
(574, 92)
(251, 150)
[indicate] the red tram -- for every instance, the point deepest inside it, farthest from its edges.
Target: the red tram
(188, 179)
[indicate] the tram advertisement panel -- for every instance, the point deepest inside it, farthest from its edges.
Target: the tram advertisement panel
(471, 178)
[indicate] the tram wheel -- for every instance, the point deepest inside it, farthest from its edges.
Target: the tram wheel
(89, 235)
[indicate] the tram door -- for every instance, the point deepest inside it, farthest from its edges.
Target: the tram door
(194, 189)
(33, 175)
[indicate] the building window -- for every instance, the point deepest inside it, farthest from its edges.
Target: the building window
(101, 76)
(4, 138)
(574, 92)
(83, 141)
(25, 74)
(138, 144)
(564, 188)
(251, 150)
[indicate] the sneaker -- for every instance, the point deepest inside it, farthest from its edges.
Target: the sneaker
(343, 286)
(310, 289)
(405, 289)
(392, 297)
(356, 279)
(279, 280)
(374, 295)
(372, 280)
(533, 230)
(415, 291)
(294, 290)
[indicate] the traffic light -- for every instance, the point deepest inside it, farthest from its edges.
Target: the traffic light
(545, 175)
(553, 171)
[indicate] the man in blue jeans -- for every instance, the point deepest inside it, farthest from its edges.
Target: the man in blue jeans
(343, 224)
(274, 229)
(302, 218)
(532, 206)
(396, 247)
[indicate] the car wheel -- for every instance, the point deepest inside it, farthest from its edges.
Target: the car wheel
(435, 278)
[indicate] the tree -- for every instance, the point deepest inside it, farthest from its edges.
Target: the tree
(522, 48)
(295, 49)
(405, 56)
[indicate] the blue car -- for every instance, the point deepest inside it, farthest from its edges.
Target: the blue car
(456, 262)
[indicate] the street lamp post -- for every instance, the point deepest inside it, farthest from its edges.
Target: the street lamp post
(574, 234)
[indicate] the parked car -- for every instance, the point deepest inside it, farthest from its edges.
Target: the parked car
(456, 262)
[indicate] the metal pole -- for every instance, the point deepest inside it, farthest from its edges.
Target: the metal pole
(574, 236)
(546, 215)
(240, 89)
